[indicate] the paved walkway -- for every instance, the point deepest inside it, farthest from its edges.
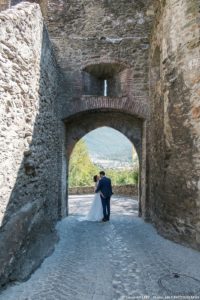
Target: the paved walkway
(122, 259)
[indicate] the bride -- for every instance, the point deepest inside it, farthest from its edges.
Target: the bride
(96, 210)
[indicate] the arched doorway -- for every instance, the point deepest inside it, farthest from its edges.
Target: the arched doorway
(105, 149)
(79, 125)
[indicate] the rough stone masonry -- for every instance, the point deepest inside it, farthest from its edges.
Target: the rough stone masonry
(30, 150)
(54, 58)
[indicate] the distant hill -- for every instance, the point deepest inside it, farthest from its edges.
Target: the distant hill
(107, 144)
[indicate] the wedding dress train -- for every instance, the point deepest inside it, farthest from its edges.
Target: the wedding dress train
(96, 210)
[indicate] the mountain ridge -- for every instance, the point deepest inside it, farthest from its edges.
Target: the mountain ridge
(109, 144)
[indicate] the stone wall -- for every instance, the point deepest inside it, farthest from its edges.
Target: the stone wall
(29, 142)
(122, 190)
(101, 40)
(174, 128)
(4, 4)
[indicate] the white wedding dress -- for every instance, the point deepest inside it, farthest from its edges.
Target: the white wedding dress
(96, 210)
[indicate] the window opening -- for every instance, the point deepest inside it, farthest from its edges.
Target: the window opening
(105, 88)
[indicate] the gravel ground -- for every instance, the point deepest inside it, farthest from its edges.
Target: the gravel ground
(121, 259)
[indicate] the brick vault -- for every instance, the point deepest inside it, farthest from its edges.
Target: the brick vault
(55, 57)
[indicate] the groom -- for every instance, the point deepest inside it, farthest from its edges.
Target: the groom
(105, 189)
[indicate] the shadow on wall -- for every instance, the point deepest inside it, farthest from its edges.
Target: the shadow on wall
(30, 144)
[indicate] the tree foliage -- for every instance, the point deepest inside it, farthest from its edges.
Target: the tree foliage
(123, 177)
(82, 170)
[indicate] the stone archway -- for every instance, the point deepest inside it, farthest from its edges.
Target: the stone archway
(81, 124)
(107, 149)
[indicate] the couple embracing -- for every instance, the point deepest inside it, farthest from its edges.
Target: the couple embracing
(100, 209)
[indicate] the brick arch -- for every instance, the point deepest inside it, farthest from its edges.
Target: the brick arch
(118, 104)
(115, 65)
(106, 60)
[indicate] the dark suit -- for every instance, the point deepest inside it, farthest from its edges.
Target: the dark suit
(105, 188)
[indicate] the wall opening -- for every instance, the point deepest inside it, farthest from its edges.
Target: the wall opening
(103, 149)
(102, 79)
(105, 88)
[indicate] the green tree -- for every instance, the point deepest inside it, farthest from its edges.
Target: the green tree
(123, 177)
(81, 168)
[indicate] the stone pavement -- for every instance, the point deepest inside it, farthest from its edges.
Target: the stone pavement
(122, 259)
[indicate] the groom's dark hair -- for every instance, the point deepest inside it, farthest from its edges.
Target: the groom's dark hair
(102, 173)
(95, 178)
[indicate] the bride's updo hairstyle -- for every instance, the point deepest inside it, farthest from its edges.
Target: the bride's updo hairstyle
(95, 178)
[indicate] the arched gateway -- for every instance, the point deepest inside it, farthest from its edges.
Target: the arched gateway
(81, 124)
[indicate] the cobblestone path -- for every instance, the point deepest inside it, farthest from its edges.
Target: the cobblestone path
(122, 259)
